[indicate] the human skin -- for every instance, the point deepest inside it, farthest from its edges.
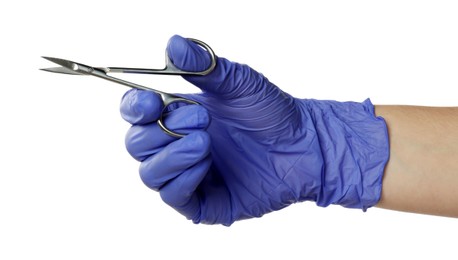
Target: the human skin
(422, 173)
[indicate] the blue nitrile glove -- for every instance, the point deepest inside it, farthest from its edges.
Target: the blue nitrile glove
(263, 149)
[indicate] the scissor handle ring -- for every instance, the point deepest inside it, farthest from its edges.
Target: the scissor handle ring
(170, 68)
(160, 122)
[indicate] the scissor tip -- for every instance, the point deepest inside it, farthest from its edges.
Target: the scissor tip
(50, 58)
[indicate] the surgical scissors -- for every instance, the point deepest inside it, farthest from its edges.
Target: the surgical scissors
(74, 68)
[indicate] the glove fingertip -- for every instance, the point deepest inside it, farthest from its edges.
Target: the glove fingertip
(140, 107)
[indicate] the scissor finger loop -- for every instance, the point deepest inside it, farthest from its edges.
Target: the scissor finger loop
(167, 108)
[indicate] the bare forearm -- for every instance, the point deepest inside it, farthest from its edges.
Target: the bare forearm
(422, 173)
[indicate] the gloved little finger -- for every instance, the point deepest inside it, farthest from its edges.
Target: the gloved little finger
(140, 107)
(174, 158)
(143, 141)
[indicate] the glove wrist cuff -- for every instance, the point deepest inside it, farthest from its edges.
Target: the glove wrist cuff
(347, 148)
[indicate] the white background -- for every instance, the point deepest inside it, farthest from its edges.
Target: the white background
(68, 188)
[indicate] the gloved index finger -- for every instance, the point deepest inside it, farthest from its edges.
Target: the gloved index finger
(140, 107)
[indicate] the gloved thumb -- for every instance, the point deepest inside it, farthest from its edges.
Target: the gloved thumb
(228, 79)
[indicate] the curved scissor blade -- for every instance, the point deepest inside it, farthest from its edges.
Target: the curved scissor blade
(62, 70)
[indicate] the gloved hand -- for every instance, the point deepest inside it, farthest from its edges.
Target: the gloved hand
(251, 148)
